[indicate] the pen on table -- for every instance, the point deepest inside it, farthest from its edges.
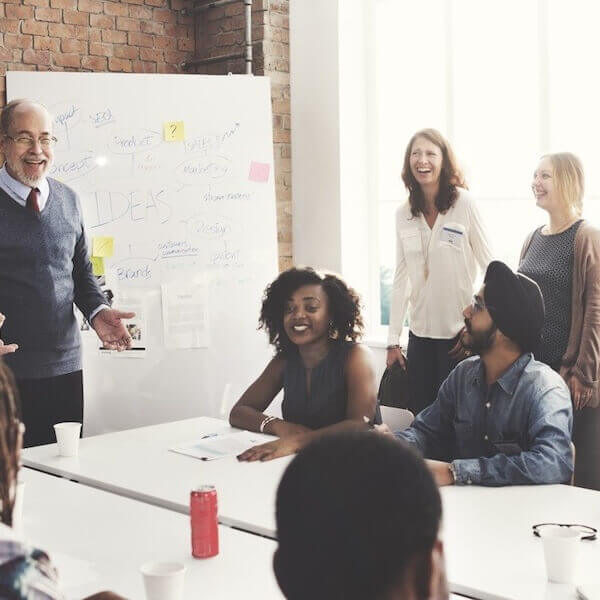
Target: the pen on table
(209, 435)
(369, 422)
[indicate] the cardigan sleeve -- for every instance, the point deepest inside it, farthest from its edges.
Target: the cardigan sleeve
(526, 245)
(587, 365)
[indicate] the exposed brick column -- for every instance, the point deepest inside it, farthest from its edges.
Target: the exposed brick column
(221, 31)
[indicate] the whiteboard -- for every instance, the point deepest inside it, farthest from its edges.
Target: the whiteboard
(195, 212)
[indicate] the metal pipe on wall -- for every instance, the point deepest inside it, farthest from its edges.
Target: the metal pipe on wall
(248, 40)
(202, 7)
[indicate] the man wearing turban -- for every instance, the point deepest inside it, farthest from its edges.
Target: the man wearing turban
(501, 417)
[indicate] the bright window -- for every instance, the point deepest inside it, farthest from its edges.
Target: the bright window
(505, 82)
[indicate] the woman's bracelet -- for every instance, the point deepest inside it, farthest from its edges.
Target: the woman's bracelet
(393, 346)
(265, 422)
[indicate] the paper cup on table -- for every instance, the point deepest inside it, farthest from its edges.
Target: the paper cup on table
(163, 580)
(67, 436)
(560, 551)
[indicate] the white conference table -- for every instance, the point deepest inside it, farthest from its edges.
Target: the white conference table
(98, 541)
(137, 463)
(490, 551)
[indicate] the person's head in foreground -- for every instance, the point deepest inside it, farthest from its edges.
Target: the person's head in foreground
(330, 309)
(507, 313)
(358, 518)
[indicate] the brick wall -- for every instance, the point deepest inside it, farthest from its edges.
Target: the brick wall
(129, 36)
(151, 36)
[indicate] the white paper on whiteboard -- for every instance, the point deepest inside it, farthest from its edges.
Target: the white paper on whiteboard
(185, 314)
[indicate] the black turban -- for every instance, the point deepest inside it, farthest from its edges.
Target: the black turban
(516, 305)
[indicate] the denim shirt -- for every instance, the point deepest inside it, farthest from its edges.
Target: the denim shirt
(516, 431)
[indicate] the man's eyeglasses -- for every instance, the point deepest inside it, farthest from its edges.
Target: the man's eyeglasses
(28, 142)
(586, 531)
(477, 305)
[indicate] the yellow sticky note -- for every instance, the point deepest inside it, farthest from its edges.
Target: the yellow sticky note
(103, 246)
(97, 265)
(174, 131)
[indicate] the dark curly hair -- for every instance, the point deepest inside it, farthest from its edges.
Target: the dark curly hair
(451, 176)
(344, 306)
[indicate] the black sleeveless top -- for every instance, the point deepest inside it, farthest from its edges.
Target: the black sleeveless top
(326, 404)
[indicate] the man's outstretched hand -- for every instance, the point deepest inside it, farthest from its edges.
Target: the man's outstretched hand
(111, 330)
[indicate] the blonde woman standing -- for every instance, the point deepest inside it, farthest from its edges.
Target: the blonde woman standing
(563, 257)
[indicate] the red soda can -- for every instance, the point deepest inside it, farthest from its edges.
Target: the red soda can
(205, 526)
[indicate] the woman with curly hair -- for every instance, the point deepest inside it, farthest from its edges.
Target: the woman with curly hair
(328, 379)
(440, 243)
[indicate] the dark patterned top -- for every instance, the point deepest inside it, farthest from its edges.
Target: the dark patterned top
(549, 262)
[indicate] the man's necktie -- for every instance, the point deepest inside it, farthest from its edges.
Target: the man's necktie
(33, 200)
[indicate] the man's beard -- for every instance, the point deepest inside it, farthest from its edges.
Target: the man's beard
(20, 175)
(480, 341)
(30, 181)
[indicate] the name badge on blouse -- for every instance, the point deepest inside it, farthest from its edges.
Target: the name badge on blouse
(451, 235)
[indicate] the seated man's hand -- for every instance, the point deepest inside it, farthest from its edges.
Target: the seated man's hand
(383, 428)
(441, 472)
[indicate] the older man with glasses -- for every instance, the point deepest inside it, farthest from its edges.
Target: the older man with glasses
(500, 418)
(44, 269)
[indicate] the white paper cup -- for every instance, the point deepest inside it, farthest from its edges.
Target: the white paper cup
(67, 436)
(560, 550)
(17, 515)
(163, 580)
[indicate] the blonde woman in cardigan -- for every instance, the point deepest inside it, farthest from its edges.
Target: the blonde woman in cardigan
(563, 257)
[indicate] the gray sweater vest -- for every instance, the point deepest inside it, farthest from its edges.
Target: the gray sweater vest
(44, 269)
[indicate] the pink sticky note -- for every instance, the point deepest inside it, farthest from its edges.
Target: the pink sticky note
(259, 171)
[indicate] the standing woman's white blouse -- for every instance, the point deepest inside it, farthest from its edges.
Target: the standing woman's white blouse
(436, 269)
